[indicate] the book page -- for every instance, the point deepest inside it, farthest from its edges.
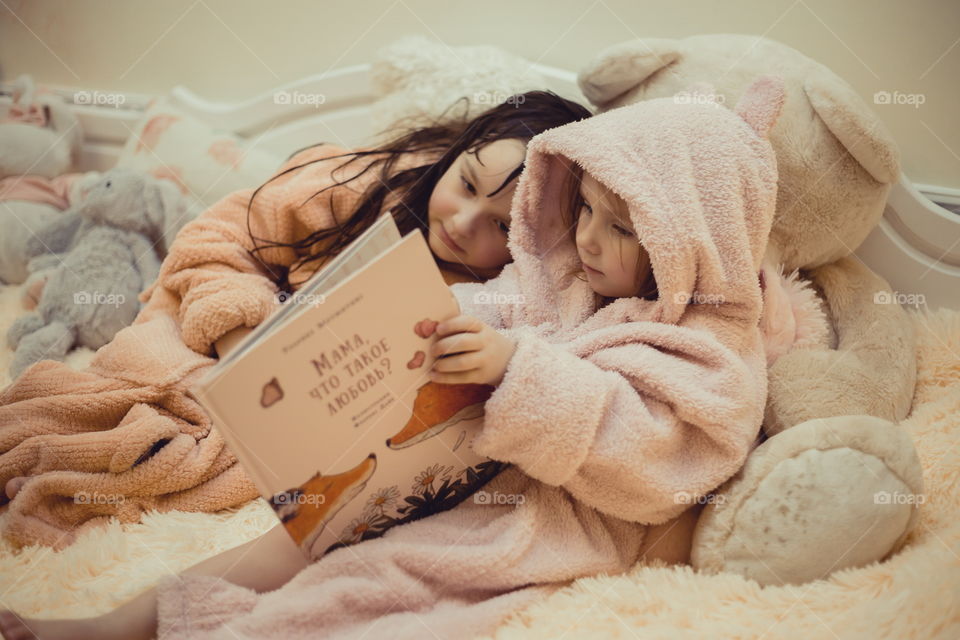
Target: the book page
(373, 242)
(334, 417)
(355, 257)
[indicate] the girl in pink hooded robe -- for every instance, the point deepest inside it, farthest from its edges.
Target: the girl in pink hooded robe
(630, 378)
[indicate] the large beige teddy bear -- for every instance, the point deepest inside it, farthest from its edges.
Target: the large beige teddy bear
(837, 482)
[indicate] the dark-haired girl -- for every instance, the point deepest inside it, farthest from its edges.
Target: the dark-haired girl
(453, 182)
(222, 275)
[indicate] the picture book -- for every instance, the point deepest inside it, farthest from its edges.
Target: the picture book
(328, 407)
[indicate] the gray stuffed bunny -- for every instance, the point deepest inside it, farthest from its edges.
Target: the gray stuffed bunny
(106, 250)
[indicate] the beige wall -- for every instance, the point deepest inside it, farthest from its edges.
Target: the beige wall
(230, 50)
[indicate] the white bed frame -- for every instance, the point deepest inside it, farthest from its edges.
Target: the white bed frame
(915, 246)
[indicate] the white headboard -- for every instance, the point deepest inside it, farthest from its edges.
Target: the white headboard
(343, 117)
(915, 247)
(273, 119)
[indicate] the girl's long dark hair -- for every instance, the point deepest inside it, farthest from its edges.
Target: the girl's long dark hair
(520, 117)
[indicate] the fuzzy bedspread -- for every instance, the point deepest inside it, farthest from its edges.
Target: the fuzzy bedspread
(915, 594)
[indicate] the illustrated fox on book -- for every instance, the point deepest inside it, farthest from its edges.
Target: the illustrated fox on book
(327, 404)
(305, 510)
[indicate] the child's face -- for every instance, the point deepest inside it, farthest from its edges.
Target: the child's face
(467, 225)
(615, 262)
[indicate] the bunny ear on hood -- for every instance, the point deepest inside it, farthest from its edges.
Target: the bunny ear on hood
(699, 180)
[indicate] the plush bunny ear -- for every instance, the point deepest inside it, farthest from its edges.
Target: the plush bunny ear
(761, 103)
(160, 205)
(177, 211)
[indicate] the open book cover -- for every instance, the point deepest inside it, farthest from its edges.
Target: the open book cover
(328, 406)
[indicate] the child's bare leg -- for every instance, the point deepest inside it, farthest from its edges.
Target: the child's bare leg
(263, 564)
(671, 541)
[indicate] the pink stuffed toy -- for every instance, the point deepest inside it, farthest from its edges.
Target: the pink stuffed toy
(793, 316)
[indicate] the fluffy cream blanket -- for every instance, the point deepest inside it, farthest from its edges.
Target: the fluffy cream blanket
(915, 594)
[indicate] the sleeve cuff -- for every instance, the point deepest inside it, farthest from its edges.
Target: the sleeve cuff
(543, 415)
(237, 301)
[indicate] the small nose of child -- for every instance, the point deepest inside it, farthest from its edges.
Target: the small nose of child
(587, 243)
(464, 221)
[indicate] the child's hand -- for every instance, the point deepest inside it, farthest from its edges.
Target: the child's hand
(483, 354)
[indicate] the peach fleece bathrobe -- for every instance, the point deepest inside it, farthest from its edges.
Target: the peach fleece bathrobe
(124, 431)
(615, 421)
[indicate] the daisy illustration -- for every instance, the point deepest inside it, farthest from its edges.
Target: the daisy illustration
(383, 499)
(424, 481)
(354, 531)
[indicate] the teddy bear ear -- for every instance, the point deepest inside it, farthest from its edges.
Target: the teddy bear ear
(761, 103)
(620, 68)
(852, 122)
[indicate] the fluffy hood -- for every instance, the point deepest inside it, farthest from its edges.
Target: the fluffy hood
(700, 183)
(645, 405)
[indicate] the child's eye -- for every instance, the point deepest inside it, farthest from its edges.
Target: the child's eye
(622, 231)
(585, 208)
(503, 226)
(469, 187)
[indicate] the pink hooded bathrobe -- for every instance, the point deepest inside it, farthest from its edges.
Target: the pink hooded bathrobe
(615, 420)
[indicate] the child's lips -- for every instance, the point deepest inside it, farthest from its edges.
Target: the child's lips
(590, 269)
(447, 240)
